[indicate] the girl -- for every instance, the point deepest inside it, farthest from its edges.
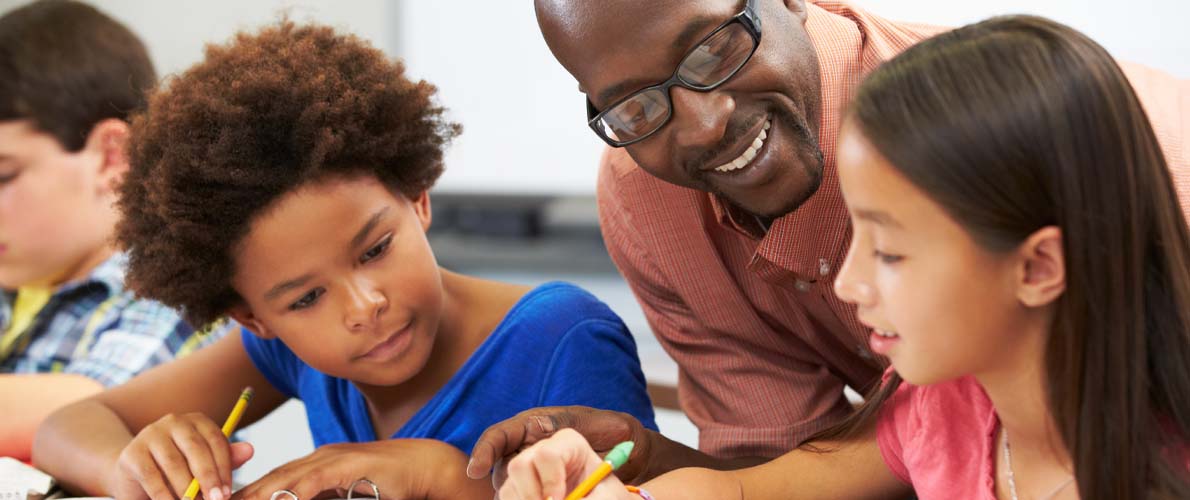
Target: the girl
(283, 182)
(1020, 255)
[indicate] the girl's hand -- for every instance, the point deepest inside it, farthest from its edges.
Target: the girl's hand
(161, 460)
(400, 468)
(552, 467)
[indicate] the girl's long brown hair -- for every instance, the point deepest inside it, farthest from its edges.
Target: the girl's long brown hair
(1017, 123)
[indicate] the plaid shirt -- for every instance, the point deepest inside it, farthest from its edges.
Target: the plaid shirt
(96, 328)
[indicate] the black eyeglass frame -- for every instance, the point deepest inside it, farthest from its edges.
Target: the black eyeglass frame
(748, 18)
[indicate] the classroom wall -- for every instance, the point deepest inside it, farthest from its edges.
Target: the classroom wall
(523, 115)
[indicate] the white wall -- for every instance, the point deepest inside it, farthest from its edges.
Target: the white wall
(522, 114)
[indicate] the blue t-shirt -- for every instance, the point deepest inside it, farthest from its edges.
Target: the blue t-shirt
(558, 346)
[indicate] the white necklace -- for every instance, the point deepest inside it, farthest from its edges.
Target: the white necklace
(1012, 477)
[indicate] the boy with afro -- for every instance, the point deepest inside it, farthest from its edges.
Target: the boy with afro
(283, 181)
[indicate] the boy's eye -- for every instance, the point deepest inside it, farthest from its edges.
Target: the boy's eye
(377, 250)
(887, 258)
(307, 300)
(6, 178)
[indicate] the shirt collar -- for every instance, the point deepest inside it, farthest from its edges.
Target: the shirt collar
(818, 230)
(109, 275)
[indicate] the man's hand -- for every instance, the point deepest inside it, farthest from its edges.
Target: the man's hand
(602, 429)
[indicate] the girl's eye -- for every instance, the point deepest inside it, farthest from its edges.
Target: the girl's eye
(377, 250)
(7, 178)
(307, 300)
(887, 258)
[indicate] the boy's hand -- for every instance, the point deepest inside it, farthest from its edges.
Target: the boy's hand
(162, 459)
(400, 468)
(554, 466)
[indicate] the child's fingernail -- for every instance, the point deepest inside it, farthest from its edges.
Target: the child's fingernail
(227, 491)
(217, 494)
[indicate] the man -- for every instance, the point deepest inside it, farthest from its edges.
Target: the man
(69, 78)
(720, 204)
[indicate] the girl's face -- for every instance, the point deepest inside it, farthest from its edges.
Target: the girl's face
(340, 270)
(940, 305)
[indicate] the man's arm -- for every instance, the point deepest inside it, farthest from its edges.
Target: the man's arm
(28, 399)
(653, 455)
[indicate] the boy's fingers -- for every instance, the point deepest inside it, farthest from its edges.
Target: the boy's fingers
(141, 466)
(240, 453)
(173, 467)
(220, 451)
(199, 461)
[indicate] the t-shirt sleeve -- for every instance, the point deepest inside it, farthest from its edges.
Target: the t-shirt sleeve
(595, 364)
(280, 366)
(894, 426)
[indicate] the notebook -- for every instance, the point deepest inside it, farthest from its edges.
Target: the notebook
(22, 482)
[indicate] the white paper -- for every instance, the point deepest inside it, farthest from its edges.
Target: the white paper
(17, 480)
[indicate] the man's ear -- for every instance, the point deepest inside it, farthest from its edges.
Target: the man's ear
(797, 8)
(244, 316)
(1042, 276)
(108, 142)
(421, 206)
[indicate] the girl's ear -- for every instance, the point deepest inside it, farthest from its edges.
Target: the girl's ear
(244, 316)
(1043, 268)
(421, 206)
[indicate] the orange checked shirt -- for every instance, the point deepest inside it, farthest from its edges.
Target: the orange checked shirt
(764, 347)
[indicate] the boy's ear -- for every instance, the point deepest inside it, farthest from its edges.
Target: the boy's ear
(108, 140)
(421, 206)
(1043, 271)
(244, 316)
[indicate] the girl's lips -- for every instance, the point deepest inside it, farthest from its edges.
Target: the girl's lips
(882, 344)
(393, 345)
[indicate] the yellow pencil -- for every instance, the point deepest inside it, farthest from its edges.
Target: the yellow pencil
(228, 427)
(613, 461)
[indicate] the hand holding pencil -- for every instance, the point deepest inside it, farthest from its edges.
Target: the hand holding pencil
(171, 457)
(229, 426)
(562, 465)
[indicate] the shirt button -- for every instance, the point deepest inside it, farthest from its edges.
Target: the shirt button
(802, 286)
(824, 267)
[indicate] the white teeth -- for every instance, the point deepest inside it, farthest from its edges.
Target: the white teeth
(885, 333)
(749, 153)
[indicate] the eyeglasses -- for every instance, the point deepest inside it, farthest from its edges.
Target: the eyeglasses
(711, 63)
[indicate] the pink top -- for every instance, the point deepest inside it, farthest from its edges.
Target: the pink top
(941, 439)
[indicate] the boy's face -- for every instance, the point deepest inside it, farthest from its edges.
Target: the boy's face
(340, 270)
(56, 206)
